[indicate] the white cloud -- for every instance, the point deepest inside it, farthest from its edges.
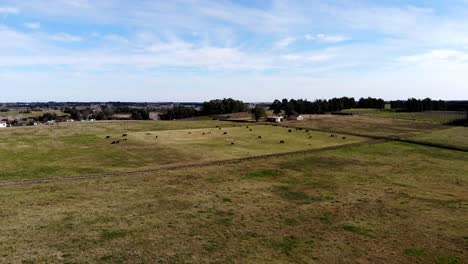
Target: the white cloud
(33, 25)
(324, 38)
(9, 10)
(436, 56)
(285, 42)
(64, 37)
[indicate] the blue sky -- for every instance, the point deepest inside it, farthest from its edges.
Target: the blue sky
(194, 50)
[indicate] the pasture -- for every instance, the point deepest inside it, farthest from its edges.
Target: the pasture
(440, 117)
(385, 202)
(364, 204)
(86, 147)
(456, 136)
(364, 125)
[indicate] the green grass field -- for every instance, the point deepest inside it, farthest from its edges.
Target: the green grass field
(386, 203)
(441, 117)
(81, 148)
(364, 125)
(373, 203)
(457, 136)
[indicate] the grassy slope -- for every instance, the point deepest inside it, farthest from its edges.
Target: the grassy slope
(81, 148)
(442, 117)
(387, 203)
(457, 136)
(364, 125)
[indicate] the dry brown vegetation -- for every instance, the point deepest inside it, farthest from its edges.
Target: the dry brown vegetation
(374, 203)
(363, 204)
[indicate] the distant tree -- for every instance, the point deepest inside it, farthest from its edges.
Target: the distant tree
(258, 112)
(178, 112)
(140, 114)
(224, 106)
(47, 117)
(276, 107)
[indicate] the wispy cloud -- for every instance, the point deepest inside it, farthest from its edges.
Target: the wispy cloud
(65, 37)
(324, 38)
(289, 39)
(8, 10)
(285, 42)
(33, 25)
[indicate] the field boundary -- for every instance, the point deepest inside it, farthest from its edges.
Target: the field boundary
(180, 167)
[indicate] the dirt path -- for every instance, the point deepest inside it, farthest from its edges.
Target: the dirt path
(177, 167)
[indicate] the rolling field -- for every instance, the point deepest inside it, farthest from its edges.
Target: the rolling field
(364, 125)
(373, 203)
(441, 117)
(82, 148)
(457, 136)
(385, 203)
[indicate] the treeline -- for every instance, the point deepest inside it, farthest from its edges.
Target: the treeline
(418, 105)
(107, 112)
(179, 112)
(224, 106)
(213, 107)
(322, 106)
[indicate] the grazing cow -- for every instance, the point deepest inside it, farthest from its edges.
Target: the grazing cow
(259, 137)
(225, 133)
(344, 137)
(307, 131)
(310, 136)
(156, 136)
(124, 135)
(203, 134)
(289, 130)
(113, 142)
(107, 137)
(148, 134)
(219, 128)
(332, 135)
(190, 133)
(232, 143)
(247, 127)
(281, 141)
(125, 139)
(117, 142)
(250, 129)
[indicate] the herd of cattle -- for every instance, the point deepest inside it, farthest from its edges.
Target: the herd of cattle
(124, 136)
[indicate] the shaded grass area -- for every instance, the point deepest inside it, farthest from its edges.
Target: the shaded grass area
(83, 149)
(457, 136)
(386, 203)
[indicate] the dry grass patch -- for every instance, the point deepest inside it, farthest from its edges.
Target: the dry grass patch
(256, 211)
